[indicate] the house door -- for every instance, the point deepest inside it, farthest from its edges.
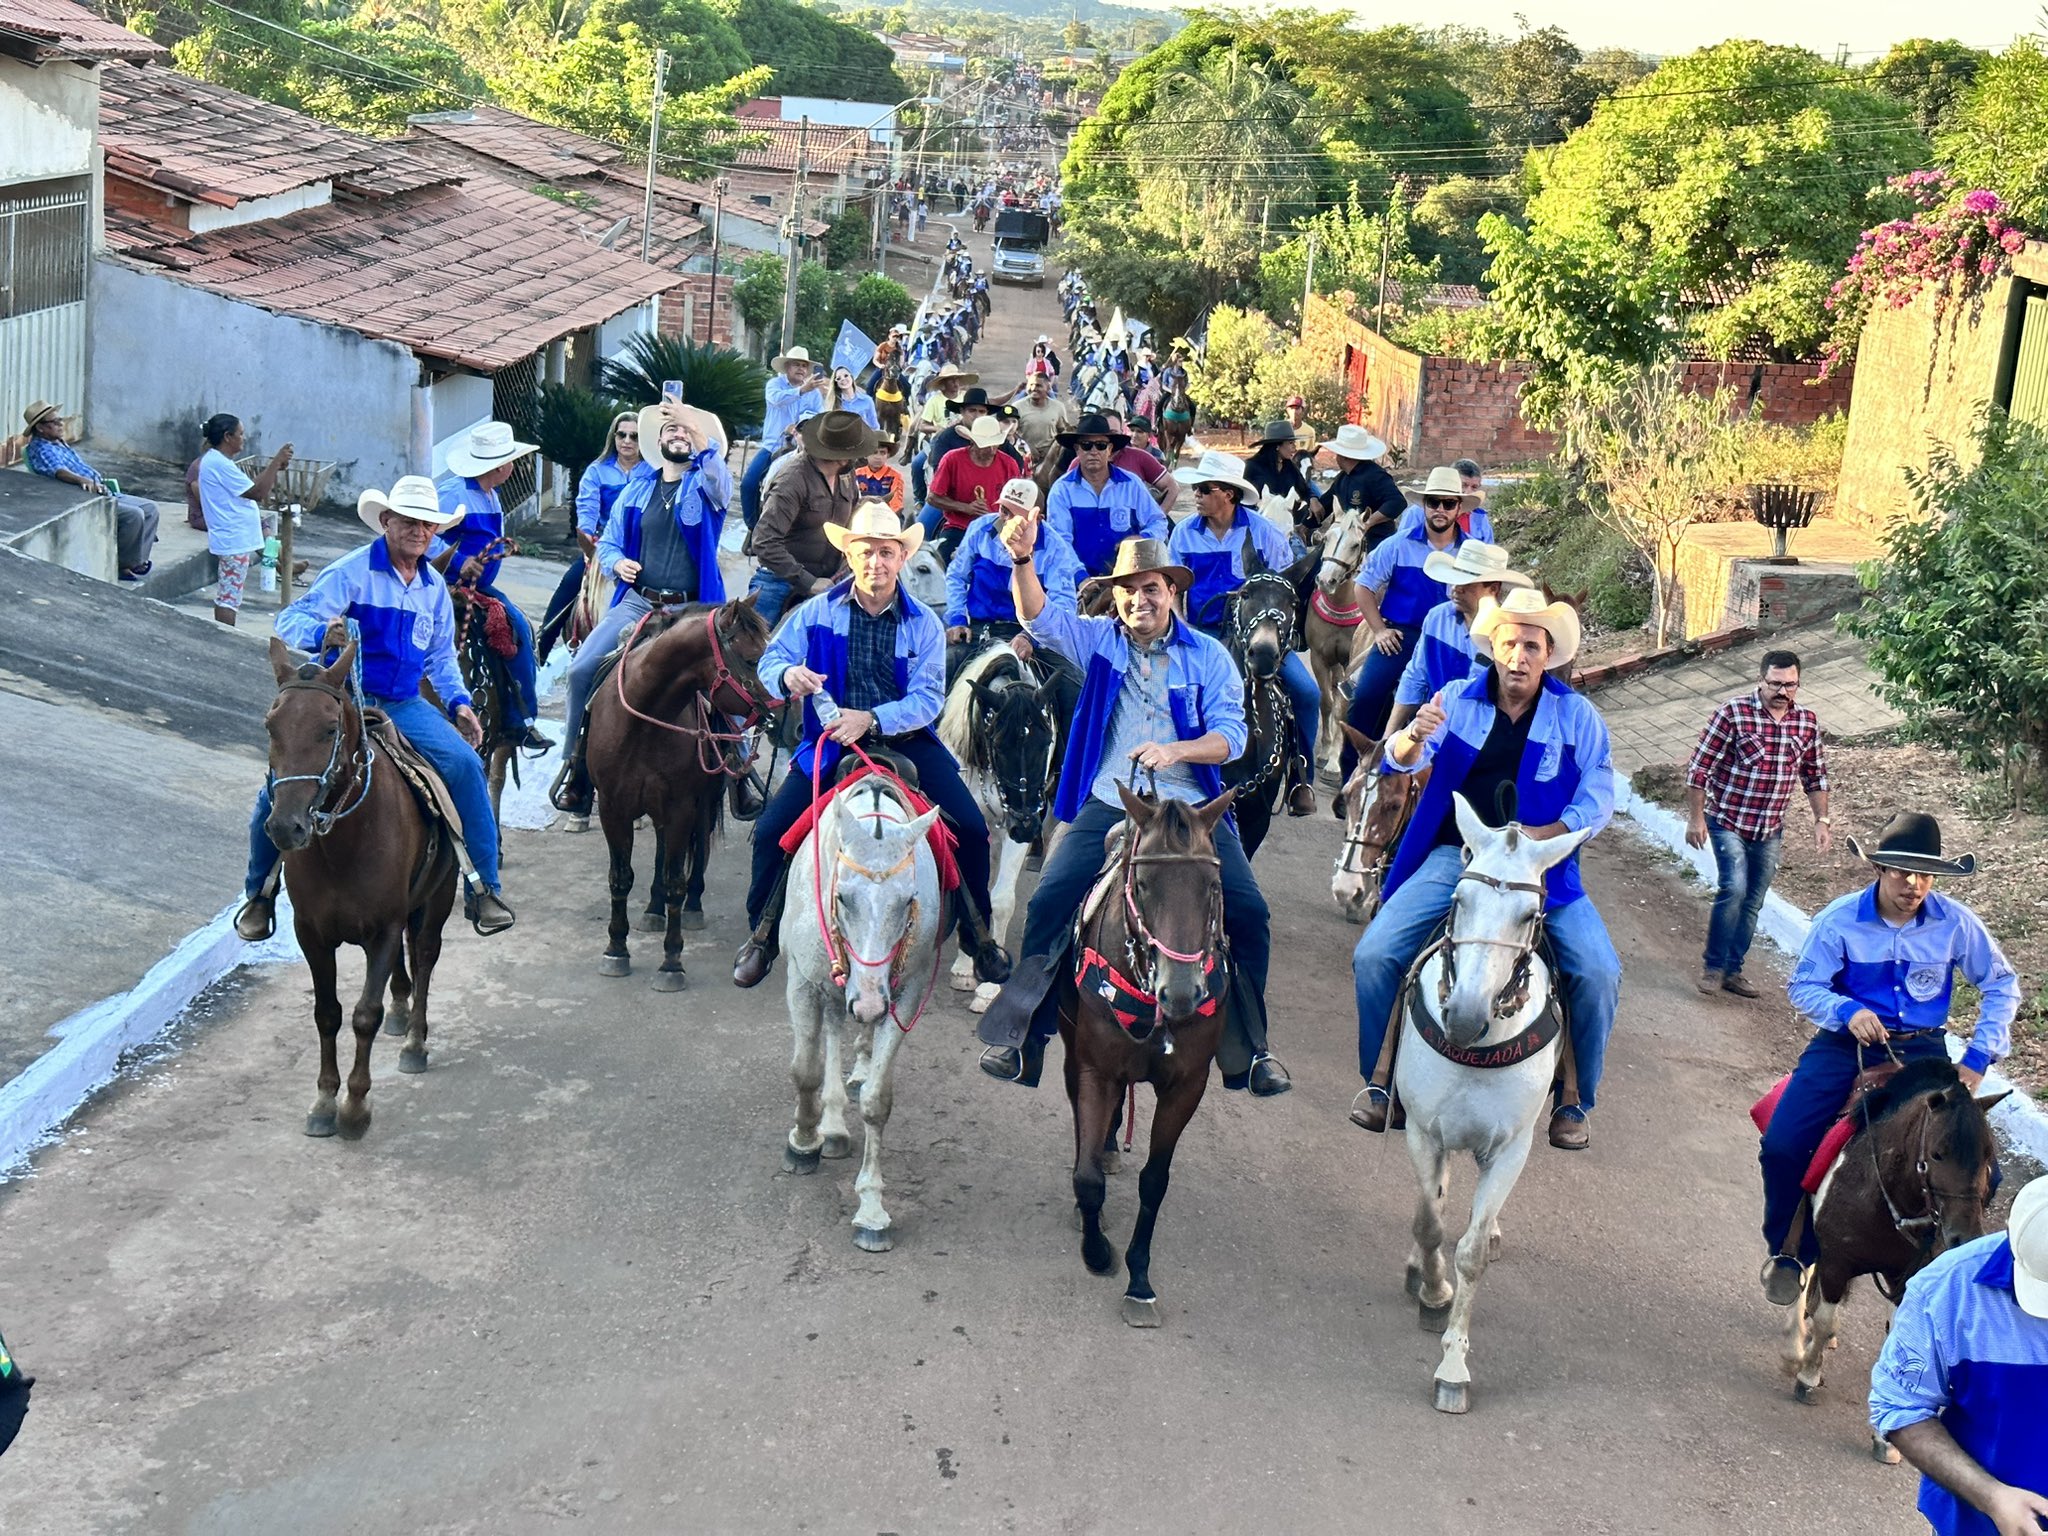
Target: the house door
(515, 400)
(2030, 367)
(45, 242)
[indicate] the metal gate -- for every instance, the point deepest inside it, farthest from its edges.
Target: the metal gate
(45, 243)
(2030, 368)
(515, 400)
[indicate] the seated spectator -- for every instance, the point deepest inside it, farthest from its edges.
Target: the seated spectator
(49, 455)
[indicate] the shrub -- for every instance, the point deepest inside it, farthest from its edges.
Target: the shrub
(716, 379)
(1278, 376)
(1224, 382)
(875, 303)
(570, 427)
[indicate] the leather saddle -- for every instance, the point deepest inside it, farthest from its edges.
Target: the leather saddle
(1846, 1124)
(426, 784)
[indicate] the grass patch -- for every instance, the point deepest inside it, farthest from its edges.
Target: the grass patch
(1555, 539)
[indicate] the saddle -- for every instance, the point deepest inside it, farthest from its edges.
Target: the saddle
(426, 784)
(1847, 1123)
(940, 835)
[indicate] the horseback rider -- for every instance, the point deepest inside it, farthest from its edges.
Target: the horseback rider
(1096, 505)
(979, 600)
(1275, 467)
(1162, 698)
(484, 460)
(793, 394)
(1362, 485)
(1474, 573)
(406, 621)
(1876, 974)
(595, 492)
(873, 659)
(1212, 544)
(1513, 724)
(661, 548)
(793, 558)
(1474, 521)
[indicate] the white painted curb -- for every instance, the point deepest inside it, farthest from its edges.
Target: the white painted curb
(2020, 1119)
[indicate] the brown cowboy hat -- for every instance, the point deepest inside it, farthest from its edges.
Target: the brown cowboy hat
(1140, 557)
(836, 435)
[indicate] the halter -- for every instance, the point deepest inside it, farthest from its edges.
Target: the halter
(1920, 1230)
(1342, 527)
(1513, 997)
(1143, 948)
(1281, 611)
(1355, 841)
(363, 758)
(712, 760)
(1022, 792)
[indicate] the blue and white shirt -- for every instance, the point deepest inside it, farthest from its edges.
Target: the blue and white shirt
(1218, 563)
(1961, 1350)
(814, 636)
(408, 627)
(1445, 655)
(787, 405)
(978, 575)
(1095, 523)
(600, 487)
(1479, 524)
(1393, 574)
(1853, 958)
(699, 509)
(48, 455)
(483, 524)
(863, 406)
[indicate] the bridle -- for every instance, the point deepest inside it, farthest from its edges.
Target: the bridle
(1514, 996)
(1919, 1230)
(713, 759)
(1023, 792)
(1244, 619)
(1356, 842)
(1143, 949)
(1336, 539)
(360, 763)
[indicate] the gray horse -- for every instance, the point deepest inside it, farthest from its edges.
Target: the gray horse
(860, 937)
(1480, 993)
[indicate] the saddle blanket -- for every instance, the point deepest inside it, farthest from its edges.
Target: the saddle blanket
(940, 836)
(497, 628)
(1130, 1004)
(1830, 1146)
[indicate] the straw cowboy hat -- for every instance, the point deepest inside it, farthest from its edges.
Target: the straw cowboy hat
(1472, 561)
(704, 427)
(1140, 557)
(413, 497)
(1446, 481)
(1912, 840)
(1217, 467)
(953, 373)
(1520, 605)
(836, 435)
(874, 520)
(490, 445)
(1354, 442)
(988, 432)
(39, 413)
(1094, 424)
(793, 355)
(2026, 1230)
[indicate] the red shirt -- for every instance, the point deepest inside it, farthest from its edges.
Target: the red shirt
(1136, 461)
(961, 479)
(1748, 763)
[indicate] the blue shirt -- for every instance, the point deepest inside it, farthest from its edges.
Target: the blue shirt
(787, 404)
(1962, 1351)
(1219, 564)
(978, 575)
(1853, 958)
(1393, 574)
(600, 487)
(48, 455)
(1445, 655)
(1481, 526)
(1095, 523)
(483, 524)
(862, 406)
(699, 509)
(814, 635)
(408, 627)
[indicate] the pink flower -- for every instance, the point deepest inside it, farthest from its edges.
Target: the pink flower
(1981, 201)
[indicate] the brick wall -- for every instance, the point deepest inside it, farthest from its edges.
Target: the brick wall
(150, 203)
(686, 301)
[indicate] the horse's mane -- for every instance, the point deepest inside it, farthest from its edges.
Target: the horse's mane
(747, 621)
(1971, 1130)
(956, 720)
(1176, 827)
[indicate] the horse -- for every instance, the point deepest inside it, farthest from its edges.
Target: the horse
(657, 745)
(1176, 420)
(1376, 806)
(860, 938)
(1478, 1055)
(1161, 922)
(1334, 633)
(999, 722)
(485, 675)
(892, 401)
(924, 577)
(364, 866)
(1258, 630)
(1912, 1182)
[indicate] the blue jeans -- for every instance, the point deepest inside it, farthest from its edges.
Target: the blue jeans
(556, 619)
(750, 485)
(524, 673)
(1306, 698)
(453, 758)
(1395, 936)
(1745, 870)
(602, 641)
(1372, 693)
(931, 517)
(1811, 1103)
(774, 595)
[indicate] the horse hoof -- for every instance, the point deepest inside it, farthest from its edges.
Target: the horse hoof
(413, 1061)
(666, 980)
(1453, 1397)
(1433, 1319)
(983, 996)
(1100, 1257)
(651, 922)
(1142, 1311)
(396, 1022)
(575, 823)
(615, 965)
(964, 982)
(1809, 1395)
(320, 1123)
(1883, 1452)
(794, 1161)
(1493, 1248)
(836, 1147)
(353, 1129)
(873, 1239)
(1412, 1282)
(693, 921)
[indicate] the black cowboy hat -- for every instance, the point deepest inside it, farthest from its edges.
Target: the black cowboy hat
(1912, 840)
(836, 435)
(1094, 424)
(974, 396)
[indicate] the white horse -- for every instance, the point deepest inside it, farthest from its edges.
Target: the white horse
(1478, 992)
(924, 578)
(860, 936)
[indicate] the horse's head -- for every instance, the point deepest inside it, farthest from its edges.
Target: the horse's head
(1377, 806)
(738, 639)
(1935, 1153)
(1496, 920)
(1261, 618)
(1173, 899)
(873, 891)
(1014, 723)
(1343, 552)
(314, 733)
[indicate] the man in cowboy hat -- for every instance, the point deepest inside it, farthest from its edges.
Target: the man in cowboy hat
(793, 394)
(135, 517)
(400, 605)
(1362, 485)
(1876, 974)
(1511, 725)
(879, 656)
(1474, 521)
(978, 589)
(482, 461)
(1395, 594)
(1215, 544)
(1095, 505)
(1150, 470)
(948, 385)
(969, 478)
(1475, 573)
(796, 558)
(1159, 699)
(879, 479)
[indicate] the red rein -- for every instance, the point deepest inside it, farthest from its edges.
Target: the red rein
(711, 758)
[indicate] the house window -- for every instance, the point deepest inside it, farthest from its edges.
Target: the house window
(45, 239)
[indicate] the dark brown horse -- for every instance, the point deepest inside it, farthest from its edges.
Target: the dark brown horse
(1912, 1183)
(1160, 928)
(364, 866)
(1176, 421)
(659, 745)
(1375, 806)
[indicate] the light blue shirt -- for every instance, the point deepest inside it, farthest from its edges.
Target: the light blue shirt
(1481, 529)
(1853, 958)
(978, 575)
(862, 406)
(787, 404)
(1435, 661)
(1204, 553)
(1123, 509)
(408, 627)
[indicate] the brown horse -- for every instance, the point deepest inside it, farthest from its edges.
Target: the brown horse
(1912, 1183)
(1376, 807)
(658, 745)
(364, 866)
(1161, 929)
(892, 402)
(1334, 632)
(1176, 421)
(490, 686)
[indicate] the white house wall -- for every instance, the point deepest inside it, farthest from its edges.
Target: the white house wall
(47, 118)
(458, 402)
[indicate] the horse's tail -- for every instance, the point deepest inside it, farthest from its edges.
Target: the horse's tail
(956, 720)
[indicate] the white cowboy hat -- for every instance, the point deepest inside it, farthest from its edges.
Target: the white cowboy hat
(707, 428)
(412, 496)
(1472, 561)
(1522, 605)
(793, 355)
(874, 520)
(490, 445)
(2026, 1229)
(1020, 495)
(1354, 442)
(987, 432)
(1216, 466)
(1445, 481)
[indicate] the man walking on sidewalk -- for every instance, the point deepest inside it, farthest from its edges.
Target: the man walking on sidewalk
(1753, 750)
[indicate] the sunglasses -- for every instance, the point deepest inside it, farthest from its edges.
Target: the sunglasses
(1442, 503)
(629, 437)
(1094, 445)
(1215, 485)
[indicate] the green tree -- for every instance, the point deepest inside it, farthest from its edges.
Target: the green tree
(849, 236)
(1997, 134)
(875, 303)
(715, 379)
(1533, 91)
(757, 292)
(1445, 228)
(1928, 77)
(1076, 36)
(1350, 242)
(1616, 69)
(813, 54)
(1224, 381)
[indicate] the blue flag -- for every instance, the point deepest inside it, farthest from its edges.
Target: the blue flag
(852, 351)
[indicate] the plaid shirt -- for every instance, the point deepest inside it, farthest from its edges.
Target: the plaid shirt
(1748, 762)
(871, 657)
(47, 455)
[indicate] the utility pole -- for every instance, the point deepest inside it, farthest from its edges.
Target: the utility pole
(1308, 286)
(717, 230)
(1379, 321)
(653, 144)
(1265, 218)
(796, 234)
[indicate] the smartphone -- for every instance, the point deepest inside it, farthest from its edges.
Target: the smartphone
(672, 389)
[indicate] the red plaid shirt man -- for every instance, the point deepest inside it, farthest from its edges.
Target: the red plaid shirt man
(1748, 762)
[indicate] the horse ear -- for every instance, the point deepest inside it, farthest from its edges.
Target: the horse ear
(1363, 744)
(1213, 812)
(751, 600)
(1991, 1101)
(1552, 851)
(281, 665)
(921, 828)
(1297, 573)
(1254, 562)
(344, 665)
(1477, 834)
(1136, 806)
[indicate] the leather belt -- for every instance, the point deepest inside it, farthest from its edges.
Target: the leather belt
(661, 599)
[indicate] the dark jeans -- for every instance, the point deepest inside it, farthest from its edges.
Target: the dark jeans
(939, 782)
(917, 480)
(750, 485)
(559, 608)
(1372, 694)
(1745, 869)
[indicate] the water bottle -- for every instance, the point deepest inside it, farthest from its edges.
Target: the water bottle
(827, 708)
(268, 578)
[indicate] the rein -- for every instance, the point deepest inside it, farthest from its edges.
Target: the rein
(1142, 947)
(1919, 1230)
(712, 760)
(363, 757)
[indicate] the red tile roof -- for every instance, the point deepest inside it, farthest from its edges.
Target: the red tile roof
(829, 150)
(208, 144)
(482, 277)
(593, 206)
(57, 29)
(536, 148)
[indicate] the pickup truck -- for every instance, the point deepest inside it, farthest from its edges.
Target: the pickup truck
(1020, 242)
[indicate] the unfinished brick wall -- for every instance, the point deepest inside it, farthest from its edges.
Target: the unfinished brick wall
(687, 300)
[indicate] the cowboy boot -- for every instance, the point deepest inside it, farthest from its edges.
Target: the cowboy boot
(257, 920)
(750, 967)
(991, 960)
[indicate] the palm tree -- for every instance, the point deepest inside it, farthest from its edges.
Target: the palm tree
(571, 426)
(716, 379)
